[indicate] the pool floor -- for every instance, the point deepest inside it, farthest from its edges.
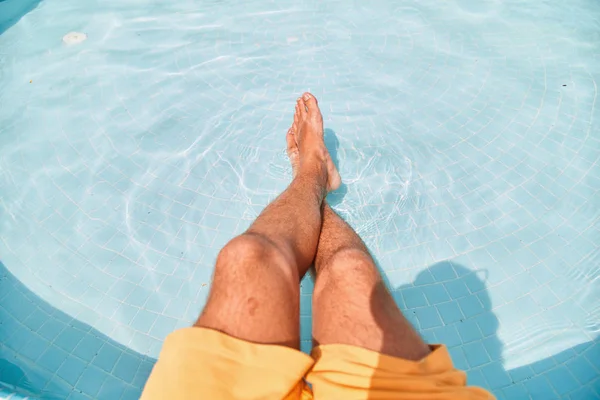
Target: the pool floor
(466, 132)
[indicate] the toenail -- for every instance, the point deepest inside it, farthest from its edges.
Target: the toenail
(306, 96)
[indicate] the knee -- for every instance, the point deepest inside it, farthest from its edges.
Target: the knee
(346, 267)
(249, 252)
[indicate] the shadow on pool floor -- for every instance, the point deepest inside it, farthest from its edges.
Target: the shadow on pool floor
(11, 11)
(465, 322)
(46, 354)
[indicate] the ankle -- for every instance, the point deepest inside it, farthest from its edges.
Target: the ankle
(314, 167)
(313, 177)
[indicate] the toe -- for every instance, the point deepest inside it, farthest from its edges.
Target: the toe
(311, 102)
(291, 141)
(301, 107)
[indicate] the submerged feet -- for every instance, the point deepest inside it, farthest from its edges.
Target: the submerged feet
(306, 145)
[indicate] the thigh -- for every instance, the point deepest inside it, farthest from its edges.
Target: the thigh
(254, 294)
(352, 306)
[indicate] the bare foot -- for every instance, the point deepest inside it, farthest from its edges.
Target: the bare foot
(305, 143)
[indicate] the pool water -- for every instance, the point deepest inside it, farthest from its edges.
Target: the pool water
(467, 134)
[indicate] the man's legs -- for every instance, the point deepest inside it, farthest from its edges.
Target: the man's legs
(351, 304)
(254, 294)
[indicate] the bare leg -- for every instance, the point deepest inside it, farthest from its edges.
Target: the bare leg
(351, 304)
(255, 293)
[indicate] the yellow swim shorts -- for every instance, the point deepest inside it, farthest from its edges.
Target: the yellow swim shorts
(198, 363)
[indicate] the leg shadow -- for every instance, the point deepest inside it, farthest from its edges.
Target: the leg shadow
(450, 304)
(332, 143)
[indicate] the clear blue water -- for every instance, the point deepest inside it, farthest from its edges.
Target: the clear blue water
(467, 134)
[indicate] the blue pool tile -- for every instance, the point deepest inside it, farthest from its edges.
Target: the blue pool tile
(497, 250)
(121, 289)
(414, 297)
(36, 319)
(564, 356)
(112, 388)
(17, 338)
(541, 249)
(526, 258)
(88, 347)
(131, 392)
(444, 272)
(108, 306)
(138, 296)
(178, 210)
(396, 294)
(539, 388)
(412, 318)
(493, 346)
(457, 288)
(470, 306)
(69, 338)
(544, 297)
(428, 317)
(71, 370)
(210, 221)
(448, 335)
(305, 326)
(52, 358)
(177, 308)
(584, 393)
(425, 278)
(134, 275)
(459, 360)
(512, 243)
(142, 374)
(101, 283)
(126, 366)
(143, 321)
(487, 322)
(450, 312)
(106, 357)
(126, 313)
(91, 381)
(496, 375)
(582, 369)
(435, 294)
(9, 375)
(480, 258)
(306, 346)
(306, 303)
(170, 286)
(562, 380)
(541, 273)
(428, 335)
(469, 331)
(526, 306)
(543, 365)
(34, 347)
(155, 303)
(163, 326)
(460, 244)
(475, 378)
(143, 342)
(477, 238)
(476, 354)
(51, 329)
(515, 392)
